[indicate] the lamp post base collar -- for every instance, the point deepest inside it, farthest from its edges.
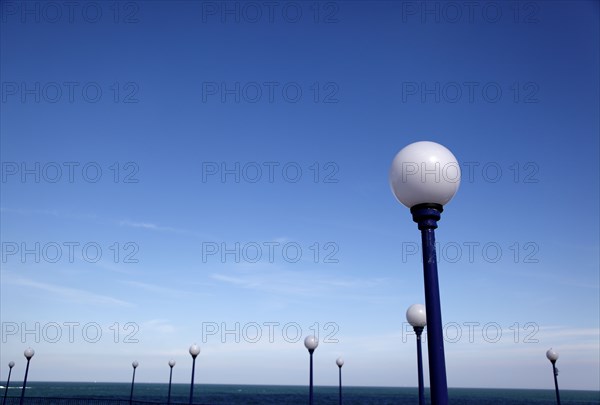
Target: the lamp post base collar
(418, 331)
(426, 215)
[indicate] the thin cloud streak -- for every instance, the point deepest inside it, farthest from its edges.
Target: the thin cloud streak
(71, 294)
(299, 283)
(159, 228)
(153, 288)
(20, 211)
(52, 213)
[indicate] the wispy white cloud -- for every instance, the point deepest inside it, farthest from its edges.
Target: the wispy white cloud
(273, 279)
(562, 332)
(69, 294)
(233, 280)
(153, 288)
(161, 326)
(52, 213)
(92, 217)
(21, 211)
(113, 267)
(151, 226)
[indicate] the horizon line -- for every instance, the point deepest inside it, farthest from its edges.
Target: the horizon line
(302, 385)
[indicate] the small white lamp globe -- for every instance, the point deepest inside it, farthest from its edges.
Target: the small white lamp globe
(552, 354)
(416, 315)
(339, 362)
(194, 350)
(311, 342)
(171, 363)
(28, 353)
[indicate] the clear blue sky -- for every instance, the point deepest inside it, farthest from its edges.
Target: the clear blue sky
(217, 171)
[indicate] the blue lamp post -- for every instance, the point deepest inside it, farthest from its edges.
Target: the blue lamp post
(28, 355)
(311, 343)
(340, 363)
(424, 176)
(171, 365)
(134, 364)
(10, 366)
(194, 352)
(415, 315)
(552, 355)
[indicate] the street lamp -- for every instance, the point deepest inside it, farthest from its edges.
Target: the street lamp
(415, 315)
(311, 343)
(171, 365)
(134, 364)
(340, 362)
(424, 176)
(28, 353)
(552, 355)
(10, 366)
(194, 351)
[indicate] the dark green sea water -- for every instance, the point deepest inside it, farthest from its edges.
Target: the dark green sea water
(283, 395)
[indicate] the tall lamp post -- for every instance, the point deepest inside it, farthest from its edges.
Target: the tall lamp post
(171, 365)
(29, 352)
(415, 315)
(552, 355)
(194, 352)
(424, 176)
(10, 366)
(311, 343)
(340, 362)
(134, 364)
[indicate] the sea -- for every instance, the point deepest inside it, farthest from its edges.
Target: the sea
(45, 393)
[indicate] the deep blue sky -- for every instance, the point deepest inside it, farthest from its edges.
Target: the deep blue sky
(159, 114)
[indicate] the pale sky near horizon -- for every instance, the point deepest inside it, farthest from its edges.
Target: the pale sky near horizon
(217, 173)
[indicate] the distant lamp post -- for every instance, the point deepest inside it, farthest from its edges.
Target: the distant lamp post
(135, 365)
(415, 315)
(194, 352)
(10, 366)
(28, 355)
(340, 362)
(171, 365)
(552, 355)
(311, 343)
(424, 176)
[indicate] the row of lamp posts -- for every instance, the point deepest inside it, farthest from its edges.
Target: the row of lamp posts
(415, 315)
(311, 343)
(194, 352)
(424, 176)
(29, 352)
